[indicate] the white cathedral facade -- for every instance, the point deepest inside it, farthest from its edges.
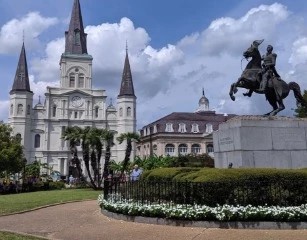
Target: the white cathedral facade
(74, 103)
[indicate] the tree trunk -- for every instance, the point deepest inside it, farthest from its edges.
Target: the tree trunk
(86, 160)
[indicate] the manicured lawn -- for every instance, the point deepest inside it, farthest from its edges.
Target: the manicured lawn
(24, 201)
(13, 236)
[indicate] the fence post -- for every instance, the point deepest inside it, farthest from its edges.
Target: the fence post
(105, 189)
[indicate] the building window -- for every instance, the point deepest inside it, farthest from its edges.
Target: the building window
(28, 110)
(54, 111)
(18, 137)
(183, 149)
(182, 128)
(155, 147)
(195, 128)
(210, 148)
(96, 111)
(37, 141)
(148, 131)
(195, 148)
(155, 129)
(169, 127)
(128, 111)
(169, 150)
(72, 80)
(209, 128)
(81, 81)
(12, 109)
(121, 112)
(76, 114)
(19, 109)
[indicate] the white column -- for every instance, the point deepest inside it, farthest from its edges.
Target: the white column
(59, 165)
(65, 166)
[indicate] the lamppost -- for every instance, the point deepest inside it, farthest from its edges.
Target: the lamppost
(24, 174)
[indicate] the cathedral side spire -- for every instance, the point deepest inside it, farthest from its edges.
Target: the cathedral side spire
(75, 37)
(126, 88)
(21, 81)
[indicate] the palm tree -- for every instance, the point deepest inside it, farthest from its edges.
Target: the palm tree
(129, 137)
(72, 134)
(108, 136)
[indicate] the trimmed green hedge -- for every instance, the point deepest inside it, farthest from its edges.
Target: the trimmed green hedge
(224, 186)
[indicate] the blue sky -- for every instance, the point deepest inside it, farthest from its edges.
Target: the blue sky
(175, 48)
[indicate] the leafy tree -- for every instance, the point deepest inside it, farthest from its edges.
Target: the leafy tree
(301, 111)
(11, 151)
(129, 137)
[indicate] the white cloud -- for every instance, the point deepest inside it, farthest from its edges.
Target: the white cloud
(31, 26)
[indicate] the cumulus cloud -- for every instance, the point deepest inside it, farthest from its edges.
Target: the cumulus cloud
(31, 26)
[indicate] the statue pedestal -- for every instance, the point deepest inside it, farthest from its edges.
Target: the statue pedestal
(261, 142)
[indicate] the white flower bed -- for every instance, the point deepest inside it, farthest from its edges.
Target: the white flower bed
(197, 212)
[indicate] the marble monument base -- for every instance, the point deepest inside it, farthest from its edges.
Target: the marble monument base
(261, 142)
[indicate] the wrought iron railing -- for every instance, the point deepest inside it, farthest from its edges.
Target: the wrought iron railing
(256, 193)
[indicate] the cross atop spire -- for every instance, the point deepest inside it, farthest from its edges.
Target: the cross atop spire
(203, 91)
(75, 38)
(21, 81)
(126, 88)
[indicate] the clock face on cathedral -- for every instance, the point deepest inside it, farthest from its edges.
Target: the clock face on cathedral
(76, 101)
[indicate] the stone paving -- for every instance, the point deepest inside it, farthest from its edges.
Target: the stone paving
(83, 220)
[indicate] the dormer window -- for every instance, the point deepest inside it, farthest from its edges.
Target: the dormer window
(209, 128)
(182, 128)
(155, 129)
(195, 128)
(169, 127)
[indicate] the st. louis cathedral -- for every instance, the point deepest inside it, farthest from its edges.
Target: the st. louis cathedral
(74, 103)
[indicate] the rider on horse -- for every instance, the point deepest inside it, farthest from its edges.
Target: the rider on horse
(268, 69)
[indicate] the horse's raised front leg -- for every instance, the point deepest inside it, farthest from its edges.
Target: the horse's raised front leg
(231, 92)
(248, 93)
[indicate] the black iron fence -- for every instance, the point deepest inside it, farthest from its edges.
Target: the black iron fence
(256, 193)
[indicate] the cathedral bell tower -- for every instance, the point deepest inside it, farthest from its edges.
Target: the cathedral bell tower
(21, 100)
(76, 63)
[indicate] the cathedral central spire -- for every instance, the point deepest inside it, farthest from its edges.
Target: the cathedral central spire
(75, 37)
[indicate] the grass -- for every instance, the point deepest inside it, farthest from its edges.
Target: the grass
(14, 236)
(14, 203)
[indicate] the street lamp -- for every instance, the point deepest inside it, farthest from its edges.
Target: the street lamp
(24, 174)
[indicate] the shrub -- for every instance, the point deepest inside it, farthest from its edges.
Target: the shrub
(56, 185)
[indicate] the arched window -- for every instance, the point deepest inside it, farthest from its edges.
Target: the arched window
(28, 110)
(19, 109)
(183, 149)
(37, 141)
(169, 149)
(195, 148)
(72, 80)
(210, 148)
(128, 111)
(155, 147)
(121, 112)
(81, 81)
(96, 111)
(54, 111)
(12, 109)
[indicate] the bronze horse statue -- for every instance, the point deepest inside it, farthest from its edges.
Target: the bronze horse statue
(277, 89)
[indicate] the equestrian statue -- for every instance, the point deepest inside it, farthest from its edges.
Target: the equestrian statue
(260, 76)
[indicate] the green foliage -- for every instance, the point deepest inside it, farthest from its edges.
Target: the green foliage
(14, 236)
(11, 151)
(154, 161)
(301, 112)
(56, 185)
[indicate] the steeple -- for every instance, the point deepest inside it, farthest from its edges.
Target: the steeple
(126, 88)
(21, 81)
(203, 103)
(75, 38)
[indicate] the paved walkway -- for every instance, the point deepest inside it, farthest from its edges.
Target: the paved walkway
(83, 220)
